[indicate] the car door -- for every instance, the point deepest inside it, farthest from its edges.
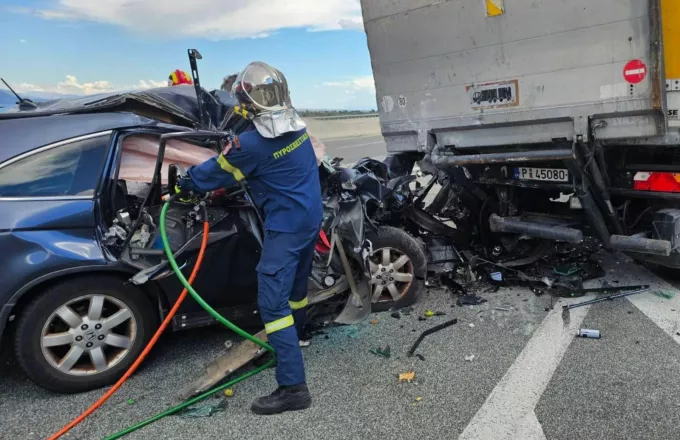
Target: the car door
(227, 278)
(47, 215)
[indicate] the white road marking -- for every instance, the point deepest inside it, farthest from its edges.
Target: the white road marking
(529, 428)
(509, 409)
(665, 313)
(359, 145)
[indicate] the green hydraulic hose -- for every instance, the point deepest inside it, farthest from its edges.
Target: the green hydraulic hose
(222, 320)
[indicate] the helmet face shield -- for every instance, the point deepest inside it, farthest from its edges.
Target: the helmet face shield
(262, 86)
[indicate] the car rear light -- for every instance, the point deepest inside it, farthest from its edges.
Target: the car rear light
(657, 182)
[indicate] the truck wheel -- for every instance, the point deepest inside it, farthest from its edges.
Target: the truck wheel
(83, 333)
(398, 266)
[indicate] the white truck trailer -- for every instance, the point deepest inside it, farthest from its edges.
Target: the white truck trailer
(542, 119)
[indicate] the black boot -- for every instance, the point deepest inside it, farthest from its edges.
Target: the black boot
(292, 398)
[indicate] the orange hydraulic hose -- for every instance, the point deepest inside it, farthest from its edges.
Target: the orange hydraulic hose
(147, 349)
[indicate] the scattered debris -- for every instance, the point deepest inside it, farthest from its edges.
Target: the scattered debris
(434, 329)
(418, 399)
(496, 276)
(384, 352)
(429, 313)
(439, 313)
(420, 356)
(228, 344)
(131, 401)
(446, 280)
(305, 342)
(229, 392)
(471, 325)
(577, 293)
(588, 333)
(422, 318)
(470, 300)
(537, 292)
(663, 294)
(205, 410)
(628, 290)
(566, 271)
(503, 309)
(374, 321)
(470, 358)
(409, 376)
(395, 315)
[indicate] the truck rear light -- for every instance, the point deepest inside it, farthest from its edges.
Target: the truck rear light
(657, 182)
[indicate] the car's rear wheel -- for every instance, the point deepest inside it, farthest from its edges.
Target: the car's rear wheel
(397, 267)
(83, 334)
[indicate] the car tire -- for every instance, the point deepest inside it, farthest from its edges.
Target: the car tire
(56, 326)
(399, 243)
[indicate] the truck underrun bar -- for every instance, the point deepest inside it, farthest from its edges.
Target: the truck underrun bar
(442, 158)
(533, 229)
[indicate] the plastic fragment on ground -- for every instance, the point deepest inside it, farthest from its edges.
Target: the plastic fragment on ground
(229, 392)
(664, 294)
(205, 410)
(409, 376)
(470, 358)
(384, 352)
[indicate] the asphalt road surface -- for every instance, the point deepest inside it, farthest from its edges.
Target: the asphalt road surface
(530, 377)
(352, 149)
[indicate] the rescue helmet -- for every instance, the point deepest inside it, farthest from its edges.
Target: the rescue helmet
(262, 87)
(179, 77)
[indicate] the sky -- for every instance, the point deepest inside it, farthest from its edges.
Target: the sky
(88, 46)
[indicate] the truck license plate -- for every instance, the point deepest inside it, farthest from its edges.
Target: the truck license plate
(543, 174)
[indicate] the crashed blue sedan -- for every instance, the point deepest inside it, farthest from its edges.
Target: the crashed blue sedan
(72, 174)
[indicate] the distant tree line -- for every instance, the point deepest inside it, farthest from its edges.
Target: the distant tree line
(318, 113)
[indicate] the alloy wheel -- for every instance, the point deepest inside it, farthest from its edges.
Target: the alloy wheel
(88, 335)
(391, 274)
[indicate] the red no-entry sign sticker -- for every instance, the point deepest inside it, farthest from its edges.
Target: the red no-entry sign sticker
(635, 71)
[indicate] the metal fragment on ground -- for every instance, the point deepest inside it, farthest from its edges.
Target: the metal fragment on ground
(434, 329)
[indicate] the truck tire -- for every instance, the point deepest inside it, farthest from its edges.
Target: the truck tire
(83, 333)
(398, 267)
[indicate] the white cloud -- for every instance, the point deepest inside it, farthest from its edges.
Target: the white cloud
(215, 19)
(71, 86)
(22, 41)
(149, 84)
(354, 85)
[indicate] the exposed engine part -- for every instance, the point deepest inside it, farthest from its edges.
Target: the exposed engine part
(123, 218)
(115, 233)
(141, 237)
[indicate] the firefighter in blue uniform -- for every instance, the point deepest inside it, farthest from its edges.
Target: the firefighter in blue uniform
(278, 162)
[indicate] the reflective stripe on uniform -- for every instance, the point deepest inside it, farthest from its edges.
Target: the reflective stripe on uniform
(279, 324)
(226, 166)
(297, 305)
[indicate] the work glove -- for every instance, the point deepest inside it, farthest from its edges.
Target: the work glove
(186, 190)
